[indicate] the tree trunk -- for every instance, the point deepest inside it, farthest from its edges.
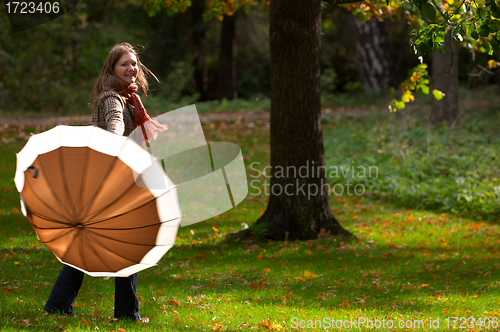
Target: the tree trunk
(298, 205)
(374, 55)
(226, 77)
(197, 37)
(445, 79)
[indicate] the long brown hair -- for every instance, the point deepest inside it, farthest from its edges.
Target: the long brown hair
(109, 81)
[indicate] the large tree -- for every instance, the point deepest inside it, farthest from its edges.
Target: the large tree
(298, 203)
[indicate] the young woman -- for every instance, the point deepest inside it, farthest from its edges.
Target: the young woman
(118, 109)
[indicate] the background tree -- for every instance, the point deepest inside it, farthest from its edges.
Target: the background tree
(375, 56)
(445, 79)
(198, 29)
(226, 71)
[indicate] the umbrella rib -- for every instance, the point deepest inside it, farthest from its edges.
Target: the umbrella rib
(122, 241)
(52, 220)
(122, 229)
(115, 252)
(92, 200)
(116, 200)
(52, 228)
(42, 201)
(80, 251)
(113, 202)
(57, 237)
(63, 206)
(65, 183)
(97, 253)
(84, 180)
(67, 249)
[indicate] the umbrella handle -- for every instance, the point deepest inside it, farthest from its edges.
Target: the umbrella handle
(34, 169)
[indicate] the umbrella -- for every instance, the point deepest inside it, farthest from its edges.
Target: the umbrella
(97, 200)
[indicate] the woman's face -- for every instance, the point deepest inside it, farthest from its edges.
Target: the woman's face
(126, 68)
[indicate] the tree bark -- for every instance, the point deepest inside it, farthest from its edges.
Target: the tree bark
(298, 205)
(226, 71)
(445, 79)
(374, 55)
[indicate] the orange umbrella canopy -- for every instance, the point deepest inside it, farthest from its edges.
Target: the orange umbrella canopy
(97, 200)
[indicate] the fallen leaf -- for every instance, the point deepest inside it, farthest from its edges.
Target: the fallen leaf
(174, 303)
(309, 275)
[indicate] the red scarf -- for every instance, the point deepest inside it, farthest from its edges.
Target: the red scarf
(141, 117)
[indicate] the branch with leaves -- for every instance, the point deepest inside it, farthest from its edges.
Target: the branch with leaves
(473, 23)
(214, 8)
(417, 81)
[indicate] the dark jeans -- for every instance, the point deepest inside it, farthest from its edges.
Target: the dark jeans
(68, 284)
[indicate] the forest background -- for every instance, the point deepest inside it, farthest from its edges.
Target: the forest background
(52, 68)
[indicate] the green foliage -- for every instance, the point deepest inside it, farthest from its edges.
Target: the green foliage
(52, 68)
(438, 95)
(430, 37)
(178, 83)
(260, 231)
(448, 170)
(428, 11)
(328, 80)
(172, 7)
(479, 20)
(417, 81)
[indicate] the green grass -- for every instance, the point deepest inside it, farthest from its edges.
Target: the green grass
(409, 265)
(448, 169)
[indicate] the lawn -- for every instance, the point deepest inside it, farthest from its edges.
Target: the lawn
(416, 266)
